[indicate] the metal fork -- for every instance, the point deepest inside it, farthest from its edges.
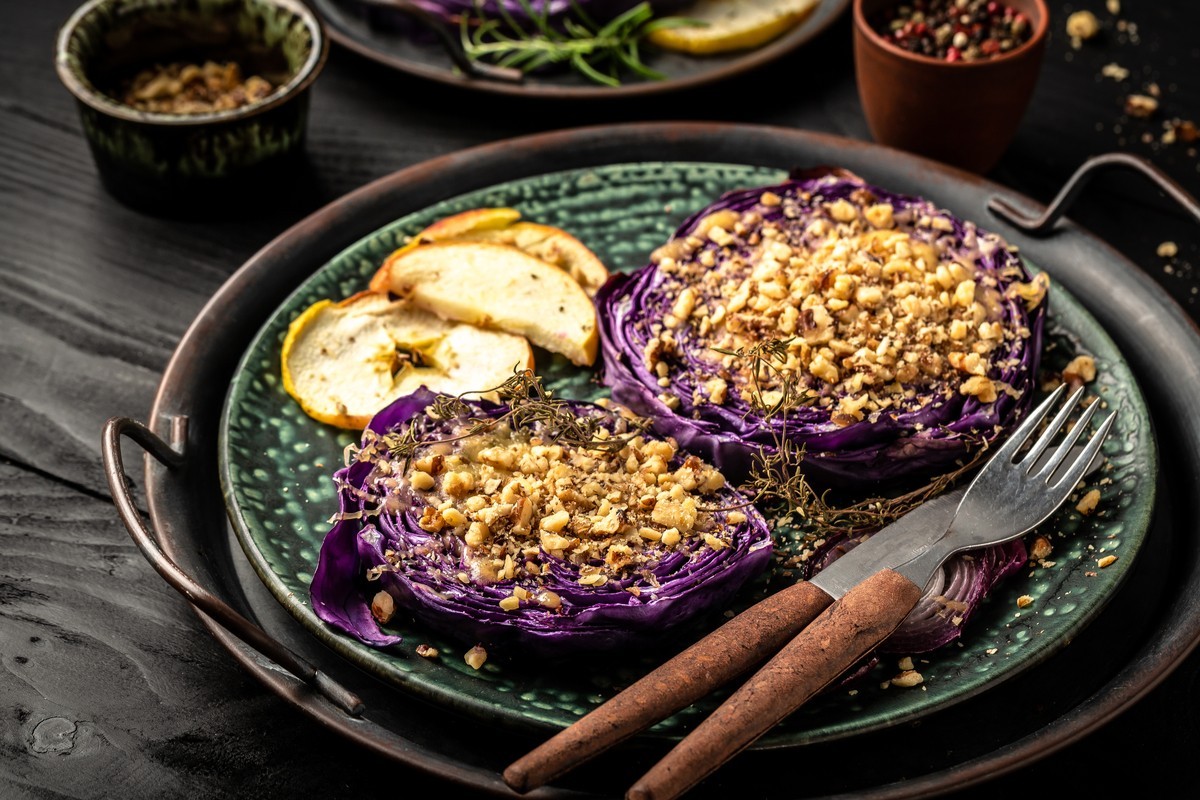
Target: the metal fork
(1025, 488)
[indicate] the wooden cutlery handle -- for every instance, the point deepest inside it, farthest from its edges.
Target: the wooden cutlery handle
(842, 635)
(730, 650)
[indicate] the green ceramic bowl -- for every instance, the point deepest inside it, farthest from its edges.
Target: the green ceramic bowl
(212, 162)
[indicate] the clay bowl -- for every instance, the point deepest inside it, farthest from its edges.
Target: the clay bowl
(962, 113)
(200, 164)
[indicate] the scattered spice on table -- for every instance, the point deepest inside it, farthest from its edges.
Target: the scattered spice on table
(955, 30)
(194, 89)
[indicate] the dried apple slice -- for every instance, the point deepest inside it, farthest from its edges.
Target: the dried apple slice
(552, 245)
(502, 226)
(342, 362)
(498, 286)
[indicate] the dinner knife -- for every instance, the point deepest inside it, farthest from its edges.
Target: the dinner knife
(733, 649)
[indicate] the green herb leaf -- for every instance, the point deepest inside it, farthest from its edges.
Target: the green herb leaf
(601, 53)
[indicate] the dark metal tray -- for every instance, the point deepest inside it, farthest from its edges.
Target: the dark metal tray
(1148, 629)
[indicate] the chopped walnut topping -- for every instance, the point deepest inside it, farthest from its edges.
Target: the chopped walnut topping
(1024, 601)
(514, 501)
(194, 88)
(908, 679)
(1114, 71)
(426, 651)
(877, 310)
(1106, 561)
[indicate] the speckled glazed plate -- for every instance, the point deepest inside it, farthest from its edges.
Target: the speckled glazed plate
(374, 34)
(276, 464)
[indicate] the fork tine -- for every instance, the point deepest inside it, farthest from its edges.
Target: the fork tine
(1064, 448)
(1027, 427)
(1060, 419)
(1080, 466)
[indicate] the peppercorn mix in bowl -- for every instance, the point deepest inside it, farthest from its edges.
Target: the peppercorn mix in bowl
(948, 79)
(192, 106)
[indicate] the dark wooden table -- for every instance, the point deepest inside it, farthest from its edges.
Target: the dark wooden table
(108, 685)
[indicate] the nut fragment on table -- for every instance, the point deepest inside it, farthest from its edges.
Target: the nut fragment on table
(1082, 25)
(1140, 105)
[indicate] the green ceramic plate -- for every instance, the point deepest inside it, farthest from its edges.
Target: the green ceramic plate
(276, 464)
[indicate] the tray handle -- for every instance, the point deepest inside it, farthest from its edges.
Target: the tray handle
(172, 456)
(1041, 225)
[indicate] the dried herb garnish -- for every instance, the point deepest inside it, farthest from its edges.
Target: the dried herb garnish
(531, 408)
(776, 474)
(599, 52)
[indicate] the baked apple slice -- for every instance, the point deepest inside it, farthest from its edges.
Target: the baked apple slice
(503, 226)
(500, 287)
(343, 362)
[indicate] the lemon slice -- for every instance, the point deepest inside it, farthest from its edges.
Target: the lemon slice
(732, 25)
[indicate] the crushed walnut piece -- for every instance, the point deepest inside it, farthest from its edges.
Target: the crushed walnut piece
(1140, 105)
(427, 651)
(1024, 601)
(1114, 71)
(1167, 250)
(1106, 561)
(908, 679)
(1081, 26)
(1082, 369)
(879, 308)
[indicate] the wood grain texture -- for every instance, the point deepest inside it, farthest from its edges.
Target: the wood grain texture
(108, 686)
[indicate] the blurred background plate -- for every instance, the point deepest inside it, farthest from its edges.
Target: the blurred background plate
(352, 25)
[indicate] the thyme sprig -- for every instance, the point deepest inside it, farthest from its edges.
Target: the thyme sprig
(599, 52)
(532, 408)
(776, 473)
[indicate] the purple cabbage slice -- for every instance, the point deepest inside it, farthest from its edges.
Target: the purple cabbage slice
(914, 334)
(575, 586)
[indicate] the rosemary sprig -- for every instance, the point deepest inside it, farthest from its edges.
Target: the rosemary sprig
(599, 52)
(532, 408)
